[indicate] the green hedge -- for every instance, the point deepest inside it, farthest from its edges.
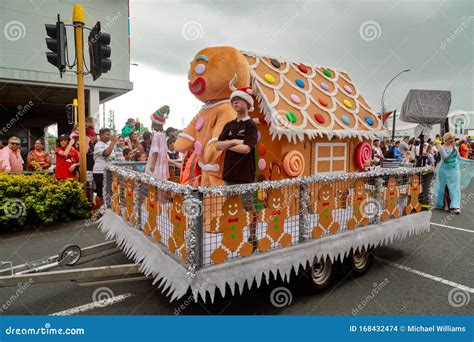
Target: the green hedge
(39, 199)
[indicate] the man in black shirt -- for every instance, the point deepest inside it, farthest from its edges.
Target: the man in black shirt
(239, 138)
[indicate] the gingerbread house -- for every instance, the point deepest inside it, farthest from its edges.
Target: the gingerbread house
(312, 119)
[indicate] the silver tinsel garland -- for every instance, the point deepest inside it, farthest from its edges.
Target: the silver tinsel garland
(194, 207)
(304, 224)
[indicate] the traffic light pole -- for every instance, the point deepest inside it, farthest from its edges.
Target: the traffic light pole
(78, 20)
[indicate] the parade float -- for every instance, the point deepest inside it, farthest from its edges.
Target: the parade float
(316, 202)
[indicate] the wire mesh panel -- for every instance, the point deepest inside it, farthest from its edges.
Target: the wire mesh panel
(204, 228)
(163, 218)
(248, 223)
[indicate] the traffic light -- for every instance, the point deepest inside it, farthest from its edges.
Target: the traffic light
(99, 51)
(57, 44)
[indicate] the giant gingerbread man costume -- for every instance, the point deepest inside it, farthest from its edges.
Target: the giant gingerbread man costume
(209, 75)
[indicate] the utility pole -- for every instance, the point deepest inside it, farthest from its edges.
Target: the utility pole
(78, 21)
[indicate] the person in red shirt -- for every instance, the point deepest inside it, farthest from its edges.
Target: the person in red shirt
(67, 158)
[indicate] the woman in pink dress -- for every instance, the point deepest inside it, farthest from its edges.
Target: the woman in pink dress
(157, 164)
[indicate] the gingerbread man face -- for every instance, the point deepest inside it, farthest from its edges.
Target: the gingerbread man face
(178, 204)
(129, 186)
(232, 206)
(326, 193)
(392, 184)
(152, 200)
(212, 69)
(415, 181)
(359, 188)
(276, 200)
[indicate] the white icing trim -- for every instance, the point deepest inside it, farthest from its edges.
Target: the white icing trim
(209, 167)
(279, 125)
(213, 140)
(187, 136)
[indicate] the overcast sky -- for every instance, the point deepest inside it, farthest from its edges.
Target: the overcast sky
(371, 40)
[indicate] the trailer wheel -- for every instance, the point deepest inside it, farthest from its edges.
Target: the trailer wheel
(319, 275)
(70, 255)
(360, 261)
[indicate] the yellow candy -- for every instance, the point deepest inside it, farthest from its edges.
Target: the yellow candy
(347, 103)
(269, 78)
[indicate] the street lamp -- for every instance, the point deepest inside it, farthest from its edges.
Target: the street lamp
(382, 111)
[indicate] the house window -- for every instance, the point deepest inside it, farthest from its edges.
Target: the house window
(331, 157)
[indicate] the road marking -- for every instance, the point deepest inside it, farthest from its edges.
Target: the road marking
(451, 227)
(93, 305)
(429, 276)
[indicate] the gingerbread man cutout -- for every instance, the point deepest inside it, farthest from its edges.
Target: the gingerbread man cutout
(391, 195)
(275, 216)
(414, 193)
(154, 210)
(357, 200)
(176, 241)
(324, 207)
(231, 224)
(115, 205)
(129, 213)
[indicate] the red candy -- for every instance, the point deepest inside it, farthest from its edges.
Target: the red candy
(261, 119)
(319, 118)
(323, 101)
(303, 68)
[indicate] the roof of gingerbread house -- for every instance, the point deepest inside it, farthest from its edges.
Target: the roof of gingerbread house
(301, 100)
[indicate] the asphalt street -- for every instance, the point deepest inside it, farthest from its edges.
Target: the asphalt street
(429, 274)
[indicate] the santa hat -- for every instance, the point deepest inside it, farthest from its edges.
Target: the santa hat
(244, 93)
(160, 116)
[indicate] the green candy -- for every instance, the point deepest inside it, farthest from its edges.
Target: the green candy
(291, 117)
(327, 72)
